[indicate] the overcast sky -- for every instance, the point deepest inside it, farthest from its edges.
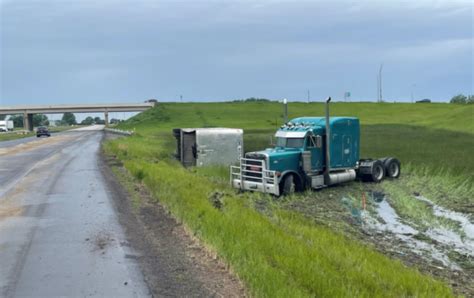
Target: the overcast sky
(128, 51)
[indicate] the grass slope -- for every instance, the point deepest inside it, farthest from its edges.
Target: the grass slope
(285, 253)
(438, 136)
(268, 115)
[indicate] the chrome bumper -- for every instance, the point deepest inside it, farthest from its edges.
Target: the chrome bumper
(263, 180)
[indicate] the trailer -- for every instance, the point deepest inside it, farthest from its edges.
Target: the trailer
(6, 125)
(311, 152)
(208, 146)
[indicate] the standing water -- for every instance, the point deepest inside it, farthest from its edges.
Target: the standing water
(392, 224)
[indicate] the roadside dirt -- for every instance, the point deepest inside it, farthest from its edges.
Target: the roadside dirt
(173, 262)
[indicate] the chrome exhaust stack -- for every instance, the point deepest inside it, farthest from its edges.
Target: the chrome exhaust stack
(327, 179)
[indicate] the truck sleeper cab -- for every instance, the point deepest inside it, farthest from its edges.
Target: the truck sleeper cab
(307, 154)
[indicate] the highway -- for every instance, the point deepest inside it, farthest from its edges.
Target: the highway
(59, 232)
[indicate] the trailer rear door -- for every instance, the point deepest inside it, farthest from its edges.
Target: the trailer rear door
(188, 148)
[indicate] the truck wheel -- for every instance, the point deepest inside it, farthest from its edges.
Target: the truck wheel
(287, 186)
(373, 172)
(392, 167)
(378, 171)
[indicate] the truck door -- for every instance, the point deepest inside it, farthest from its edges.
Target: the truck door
(314, 145)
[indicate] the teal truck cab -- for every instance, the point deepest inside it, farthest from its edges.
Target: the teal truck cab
(311, 152)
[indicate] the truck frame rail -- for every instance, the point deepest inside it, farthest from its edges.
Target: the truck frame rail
(252, 174)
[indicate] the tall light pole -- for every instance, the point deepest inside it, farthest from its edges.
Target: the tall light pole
(380, 95)
(411, 93)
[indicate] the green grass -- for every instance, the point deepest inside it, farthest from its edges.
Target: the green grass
(437, 136)
(14, 136)
(268, 116)
(284, 253)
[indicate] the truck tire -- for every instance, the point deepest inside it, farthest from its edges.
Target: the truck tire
(373, 171)
(288, 186)
(392, 167)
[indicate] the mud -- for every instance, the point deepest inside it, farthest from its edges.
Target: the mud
(173, 262)
(380, 227)
(391, 223)
(101, 241)
(462, 240)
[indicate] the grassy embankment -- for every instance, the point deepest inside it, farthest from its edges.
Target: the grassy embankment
(283, 253)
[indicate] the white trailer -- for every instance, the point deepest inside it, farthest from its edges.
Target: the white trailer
(209, 146)
(6, 125)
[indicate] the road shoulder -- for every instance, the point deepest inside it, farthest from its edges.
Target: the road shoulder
(173, 262)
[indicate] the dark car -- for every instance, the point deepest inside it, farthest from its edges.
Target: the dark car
(42, 131)
(426, 100)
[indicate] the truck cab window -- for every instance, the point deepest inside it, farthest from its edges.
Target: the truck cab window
(314, 141)
(290, 142)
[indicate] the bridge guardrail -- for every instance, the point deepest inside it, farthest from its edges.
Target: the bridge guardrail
(119, 131)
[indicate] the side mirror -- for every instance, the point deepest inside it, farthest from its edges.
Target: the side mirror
(272, 141)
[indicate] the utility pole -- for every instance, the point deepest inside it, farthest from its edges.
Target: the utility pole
(380, 93)
(411, 93)
(308, 95)
(181, 98)
(378, 88)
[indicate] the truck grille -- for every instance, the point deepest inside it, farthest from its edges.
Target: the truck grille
(253, 167)
(251, 174)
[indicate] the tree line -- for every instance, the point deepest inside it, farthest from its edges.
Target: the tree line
(462, 99)
(67, 119)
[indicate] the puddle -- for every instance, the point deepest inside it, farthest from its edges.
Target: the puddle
(392, 221)
(404, 232)
(463, 245)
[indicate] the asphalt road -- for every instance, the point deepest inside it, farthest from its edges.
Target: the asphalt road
(59, 234)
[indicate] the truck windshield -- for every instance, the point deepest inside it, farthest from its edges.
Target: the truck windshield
(289, 142)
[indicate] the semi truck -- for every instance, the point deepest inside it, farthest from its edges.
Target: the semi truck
(311, 152)
(6, 125)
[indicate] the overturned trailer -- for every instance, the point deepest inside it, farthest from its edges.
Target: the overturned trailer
(208, 146)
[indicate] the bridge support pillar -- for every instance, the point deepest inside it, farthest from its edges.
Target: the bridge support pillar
(28, 121)
(106, 117)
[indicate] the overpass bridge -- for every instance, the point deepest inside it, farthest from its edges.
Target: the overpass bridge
(29, 110)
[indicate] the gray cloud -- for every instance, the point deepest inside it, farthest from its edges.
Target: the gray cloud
(73, 51)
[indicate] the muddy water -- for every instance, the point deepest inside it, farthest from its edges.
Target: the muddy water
(461, 242)
(391, 223)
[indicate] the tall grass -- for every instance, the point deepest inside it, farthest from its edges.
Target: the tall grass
(285, 255)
